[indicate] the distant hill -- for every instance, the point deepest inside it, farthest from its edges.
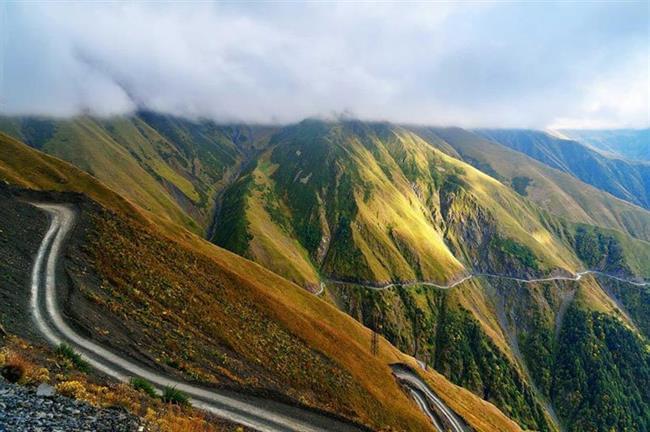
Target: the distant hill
(375, 202)
(553, 189)
(633, 144)
(624, 179)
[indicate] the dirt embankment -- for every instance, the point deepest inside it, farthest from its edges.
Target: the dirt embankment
(22, 228)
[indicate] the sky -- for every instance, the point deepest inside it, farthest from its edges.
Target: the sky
(473, 64)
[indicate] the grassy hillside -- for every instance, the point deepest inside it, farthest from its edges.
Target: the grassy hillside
(159, 293)
(170, 166)
(375, 202)
(552, 189)
(31, 169)
(624, 179)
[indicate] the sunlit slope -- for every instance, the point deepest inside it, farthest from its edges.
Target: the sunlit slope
(259, 314)
(375, 202)
(25, 167)
(554, 190)
(170, 166)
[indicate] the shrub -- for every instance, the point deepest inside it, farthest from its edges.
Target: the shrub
(12, 372)
(68, 352)
(37, 375)
(73, 389)
(174, 396)
(144, 385)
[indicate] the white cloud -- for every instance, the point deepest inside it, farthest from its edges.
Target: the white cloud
(473, 64)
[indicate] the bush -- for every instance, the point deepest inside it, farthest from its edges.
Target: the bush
(174, 396)
(144, 385)
(73, 389)
(38, 375)
(66, 351)
(12, 372)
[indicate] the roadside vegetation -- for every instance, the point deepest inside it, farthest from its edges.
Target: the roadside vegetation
(38, 365)
(174, 396)
(144, 386)
(65, 351)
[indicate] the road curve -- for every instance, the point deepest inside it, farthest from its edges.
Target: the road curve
(450, 285)
(257, 413)
(421, 402)
(433, 406)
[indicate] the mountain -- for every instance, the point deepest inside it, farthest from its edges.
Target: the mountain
(633, 144)
(552, 189)
(133, 274)
(355, 205)
(171, 166)
(345, 208)
(374, 202)
(624, 179)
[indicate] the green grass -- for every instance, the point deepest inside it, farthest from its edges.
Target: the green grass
(143, 385)
(66, 351)
(174, 396)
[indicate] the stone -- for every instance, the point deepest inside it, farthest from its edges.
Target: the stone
(45, 390)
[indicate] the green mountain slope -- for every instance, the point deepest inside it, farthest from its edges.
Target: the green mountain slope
(171, 166)
(375, 202)
(341, 204)
(624, 179)
(552, 189)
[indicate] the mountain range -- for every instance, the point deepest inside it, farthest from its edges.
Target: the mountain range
(290, 242)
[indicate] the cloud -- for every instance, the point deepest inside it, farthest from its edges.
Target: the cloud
(469, 64)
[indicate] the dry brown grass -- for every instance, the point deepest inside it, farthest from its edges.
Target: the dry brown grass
(160, 417)
(279, 337)
(173, 419)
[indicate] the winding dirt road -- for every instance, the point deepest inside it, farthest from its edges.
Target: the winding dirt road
(450, 285)
(257, 413)
(441, 416)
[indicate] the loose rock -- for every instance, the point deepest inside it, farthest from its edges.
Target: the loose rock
(45, 390)
(26, 410)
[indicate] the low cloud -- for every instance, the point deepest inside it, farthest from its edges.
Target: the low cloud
(472, 64)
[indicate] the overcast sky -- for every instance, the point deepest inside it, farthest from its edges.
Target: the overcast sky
(505, 64)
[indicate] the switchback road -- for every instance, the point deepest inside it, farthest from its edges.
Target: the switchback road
(257, 413)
